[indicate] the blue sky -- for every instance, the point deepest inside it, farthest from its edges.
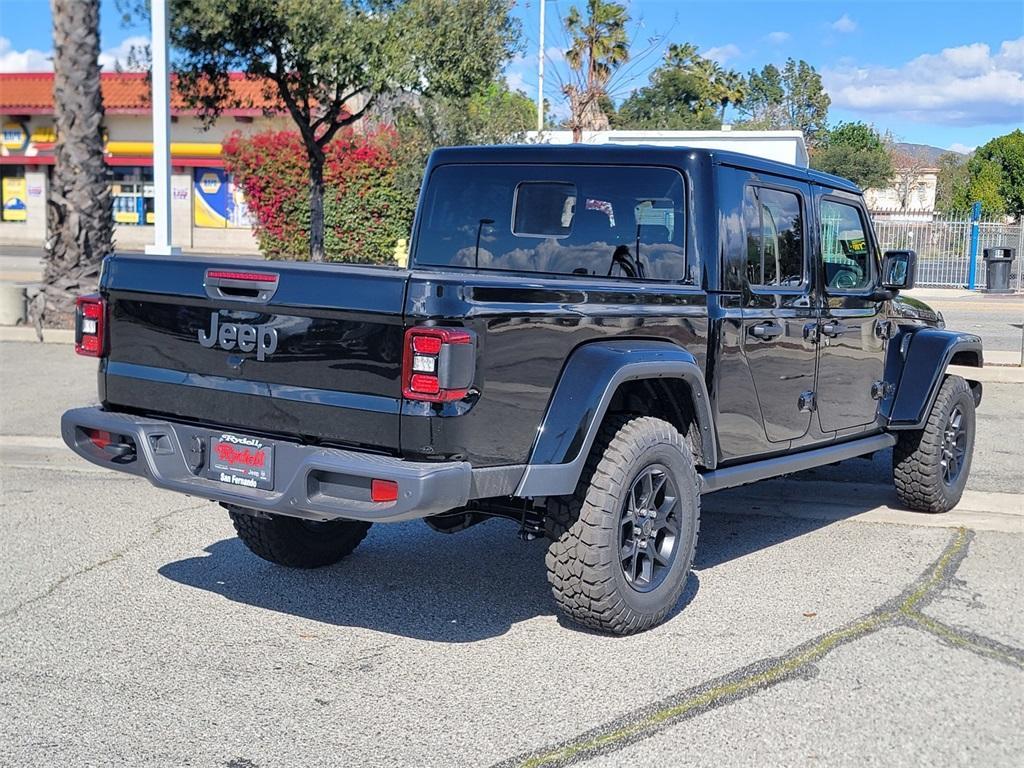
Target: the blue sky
(943, 72)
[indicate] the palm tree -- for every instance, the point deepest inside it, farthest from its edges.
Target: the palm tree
(732, 89)
(79, 223)
(600, 45)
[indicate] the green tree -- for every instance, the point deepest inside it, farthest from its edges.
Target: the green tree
(78, 214)
(492, 114)
(330, 61)
(731, 88)
(686, 92)
(599, 45)
(952, 188)
(985, 186)
(856, 152)
(762, 106)
(806, 101)
(1004, 154)
(791, 99)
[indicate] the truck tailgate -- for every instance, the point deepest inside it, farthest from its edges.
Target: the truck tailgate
(204, 340)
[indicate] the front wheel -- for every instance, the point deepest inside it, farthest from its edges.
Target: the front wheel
(294, 542)
(621, 566)
(931, 465)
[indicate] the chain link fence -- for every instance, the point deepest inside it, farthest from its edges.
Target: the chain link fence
(943, 247)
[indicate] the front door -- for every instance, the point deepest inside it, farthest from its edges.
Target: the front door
(777, 307)
(851, 332)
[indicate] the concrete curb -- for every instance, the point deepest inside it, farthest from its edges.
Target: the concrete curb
(990, 374)
(27, 333)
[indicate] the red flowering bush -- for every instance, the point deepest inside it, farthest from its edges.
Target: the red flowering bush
(365, 210)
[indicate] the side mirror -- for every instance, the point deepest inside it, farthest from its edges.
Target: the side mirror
(899, 269)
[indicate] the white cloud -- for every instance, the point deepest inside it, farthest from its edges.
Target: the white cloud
(965, 85)
(516, 82)
(118, 55)
(722, 53)
(32, 60)
(962, 149)
(777, 38)
(555, 55)
(844, 24)
(28, 60)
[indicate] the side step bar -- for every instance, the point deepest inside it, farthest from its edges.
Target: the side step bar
(741, 474)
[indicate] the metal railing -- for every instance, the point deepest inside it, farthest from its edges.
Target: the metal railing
(943, 247)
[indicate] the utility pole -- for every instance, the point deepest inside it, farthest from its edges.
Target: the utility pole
(161, 134)
(540, 72)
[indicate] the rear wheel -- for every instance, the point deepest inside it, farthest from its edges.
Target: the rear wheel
(931, 465)
(621, 565)
(294, 542)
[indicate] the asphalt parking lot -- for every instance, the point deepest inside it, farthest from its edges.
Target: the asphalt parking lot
(821, 626)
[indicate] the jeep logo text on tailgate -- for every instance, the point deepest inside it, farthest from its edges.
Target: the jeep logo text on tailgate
(262, 338)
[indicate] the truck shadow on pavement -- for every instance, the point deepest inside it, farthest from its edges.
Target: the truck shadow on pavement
(409, 581)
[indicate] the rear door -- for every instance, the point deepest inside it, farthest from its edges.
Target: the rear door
(851, 332)
(301, 350)
(778, 317)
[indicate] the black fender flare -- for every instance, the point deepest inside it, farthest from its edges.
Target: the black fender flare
(924, 355)
(581, 398)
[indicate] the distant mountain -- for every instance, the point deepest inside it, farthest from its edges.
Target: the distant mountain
(926, 152)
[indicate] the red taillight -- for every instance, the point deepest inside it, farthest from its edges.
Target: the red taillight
(438, 364)
(383, 491)
(427, 345)
(90, 326)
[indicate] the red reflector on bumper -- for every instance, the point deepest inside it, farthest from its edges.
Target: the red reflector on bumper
(383, 490)
(99, 438)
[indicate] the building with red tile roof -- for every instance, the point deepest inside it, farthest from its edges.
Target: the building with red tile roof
(127, 93)
(203, 195)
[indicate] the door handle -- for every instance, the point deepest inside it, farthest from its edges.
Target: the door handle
(766, 330)
(833, 329)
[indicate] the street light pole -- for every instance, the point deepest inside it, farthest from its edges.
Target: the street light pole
(161, 134)
(540, 72)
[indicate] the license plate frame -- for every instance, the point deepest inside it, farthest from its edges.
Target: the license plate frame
(241, 461)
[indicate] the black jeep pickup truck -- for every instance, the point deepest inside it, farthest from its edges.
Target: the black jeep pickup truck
(586, 341)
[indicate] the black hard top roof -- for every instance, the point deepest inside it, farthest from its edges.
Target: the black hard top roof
(641, 154)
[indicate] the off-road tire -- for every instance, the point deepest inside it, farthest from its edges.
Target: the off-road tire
(296, 543)
(583, 562)
(917, 455)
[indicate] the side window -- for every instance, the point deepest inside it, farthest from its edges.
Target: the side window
(775, 241)
(845, 247)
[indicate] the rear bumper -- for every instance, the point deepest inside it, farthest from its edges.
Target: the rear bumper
(310, 482)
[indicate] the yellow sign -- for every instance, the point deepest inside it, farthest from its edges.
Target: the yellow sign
(126, 217)
(44, 134)
(15, 137)
(14, 196)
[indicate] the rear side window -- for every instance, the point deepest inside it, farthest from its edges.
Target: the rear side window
(773, 222)
(605, 221)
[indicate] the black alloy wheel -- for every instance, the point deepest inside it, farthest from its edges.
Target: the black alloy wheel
(649, 528)
(954, 447)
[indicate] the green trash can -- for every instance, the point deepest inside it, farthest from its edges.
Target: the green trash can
(997, 269)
